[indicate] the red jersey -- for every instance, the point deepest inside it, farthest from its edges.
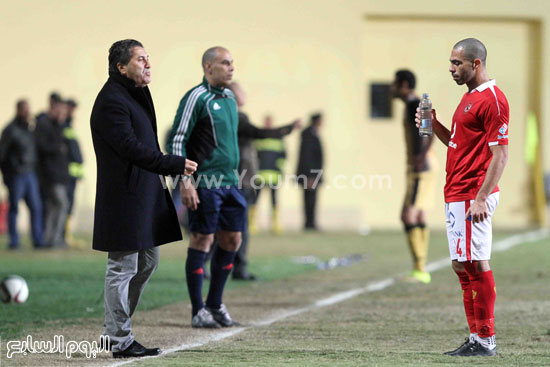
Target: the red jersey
(480, 121)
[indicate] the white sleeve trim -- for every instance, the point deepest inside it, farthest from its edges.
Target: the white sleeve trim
(496, 99)
(491, 143)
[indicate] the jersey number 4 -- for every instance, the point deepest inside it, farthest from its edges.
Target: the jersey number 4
(458, 249)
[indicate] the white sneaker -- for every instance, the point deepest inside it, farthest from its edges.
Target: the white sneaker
(203, 319)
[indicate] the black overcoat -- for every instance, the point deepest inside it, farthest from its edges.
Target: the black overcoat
(132, 209)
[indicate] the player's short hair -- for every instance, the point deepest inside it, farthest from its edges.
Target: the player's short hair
(210, 54)
(405, 76)
(121, 53)
(473, 49)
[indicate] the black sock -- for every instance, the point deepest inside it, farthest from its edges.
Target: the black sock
(220, 268)
(194, 270)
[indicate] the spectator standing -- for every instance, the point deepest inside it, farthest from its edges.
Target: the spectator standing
(18, 160)
(310, 169)
(53, 173)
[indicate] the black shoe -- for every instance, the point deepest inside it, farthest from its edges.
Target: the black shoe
(466, 344)
(244, 276)
(222, 317)
(137, 350)
(477, 350)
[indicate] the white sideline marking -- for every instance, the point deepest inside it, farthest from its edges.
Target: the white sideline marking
(499, 246)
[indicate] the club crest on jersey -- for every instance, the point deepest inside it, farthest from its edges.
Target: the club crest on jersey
(503, 129)
(468, 107)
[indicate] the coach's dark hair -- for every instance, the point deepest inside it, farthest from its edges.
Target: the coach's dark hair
(473, 49)
(405, 76)
(121, 53)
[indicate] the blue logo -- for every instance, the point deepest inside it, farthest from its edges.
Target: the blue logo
(503, 129)
(452, 218)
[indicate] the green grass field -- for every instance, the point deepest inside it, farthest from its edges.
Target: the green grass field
(401, 325)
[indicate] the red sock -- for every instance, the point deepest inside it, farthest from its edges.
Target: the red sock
(467, 299)
(484, 295)
(484, 304)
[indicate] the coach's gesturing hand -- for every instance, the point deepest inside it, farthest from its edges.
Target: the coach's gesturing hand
(189, 196)
(190, 167)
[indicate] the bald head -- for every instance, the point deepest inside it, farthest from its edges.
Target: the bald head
(209, 55)
(473, 49)
(217, 64)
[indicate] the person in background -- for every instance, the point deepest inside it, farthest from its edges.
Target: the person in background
(18, 161)
(310, 168)
(420, 177)
(248, 166)
(53, 173)
(271, 156)
(53, 99)
(76, 170)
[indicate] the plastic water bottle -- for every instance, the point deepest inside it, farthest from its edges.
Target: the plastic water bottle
(425, 116)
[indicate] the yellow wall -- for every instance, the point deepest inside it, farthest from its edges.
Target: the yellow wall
(292, 57)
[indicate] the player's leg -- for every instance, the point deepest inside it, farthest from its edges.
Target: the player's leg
(412, 220)
(454, 221)
(413, 230)
(202, 224)
(221, 266)
(232, 221)
(276, 227)
(479, 236)
(484, 294)
(199, 245)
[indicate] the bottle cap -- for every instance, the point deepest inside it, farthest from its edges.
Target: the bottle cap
(425, 95)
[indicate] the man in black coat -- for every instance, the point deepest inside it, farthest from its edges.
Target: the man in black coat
(310, 168)
(53, 173)
(133, 211)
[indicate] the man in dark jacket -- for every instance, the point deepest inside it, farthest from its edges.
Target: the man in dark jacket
(310, 168)
(18, 164)
(53, 173)
(133, 212)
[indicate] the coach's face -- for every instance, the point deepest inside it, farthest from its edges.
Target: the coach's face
(138, 68)
(462, 70)
(220, 70)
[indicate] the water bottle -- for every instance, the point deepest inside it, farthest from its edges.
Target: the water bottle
(425, 116)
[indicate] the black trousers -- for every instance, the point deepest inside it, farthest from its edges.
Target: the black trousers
(310, 202)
